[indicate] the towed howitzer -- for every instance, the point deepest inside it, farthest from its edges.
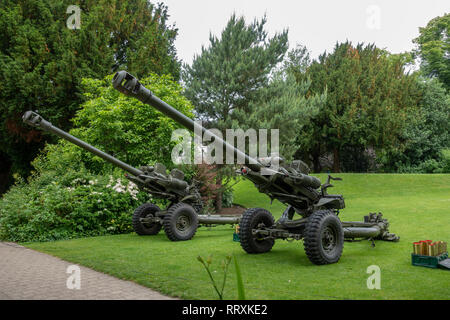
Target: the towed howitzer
(180, 218)
(319, 226)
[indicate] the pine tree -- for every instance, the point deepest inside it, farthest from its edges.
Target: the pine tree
(229, 73)
(286, 106)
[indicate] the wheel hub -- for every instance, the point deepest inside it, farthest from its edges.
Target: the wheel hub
(148, 224)
(329, 239)
(183, 223)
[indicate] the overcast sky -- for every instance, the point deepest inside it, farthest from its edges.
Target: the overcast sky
(390, 24)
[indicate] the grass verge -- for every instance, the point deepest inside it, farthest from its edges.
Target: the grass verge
(417, 206)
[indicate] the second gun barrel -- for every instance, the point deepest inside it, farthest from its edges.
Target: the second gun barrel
(37, 121)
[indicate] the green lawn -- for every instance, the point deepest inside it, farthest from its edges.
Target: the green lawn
(417, 206)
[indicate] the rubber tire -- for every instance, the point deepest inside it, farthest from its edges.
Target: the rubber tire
(314, 228)
(250, 219)
(170, 222)
(141, 212)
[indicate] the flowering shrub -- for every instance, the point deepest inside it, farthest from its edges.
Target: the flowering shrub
(75, 204)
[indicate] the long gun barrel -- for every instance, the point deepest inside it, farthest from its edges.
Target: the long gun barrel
(281, 185)
(130, 86)
(35, 120)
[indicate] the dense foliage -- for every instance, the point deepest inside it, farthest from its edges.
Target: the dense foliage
(126, 128)
(42, 62)
(62, 205)
(283, 105)
(426, 135)
(433, 49)
(227, 75)
(368, 98)
(73, 193)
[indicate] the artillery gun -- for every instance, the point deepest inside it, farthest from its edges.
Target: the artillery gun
(319, 225)
(180, 219)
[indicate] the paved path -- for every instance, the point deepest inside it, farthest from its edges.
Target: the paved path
(28, 274)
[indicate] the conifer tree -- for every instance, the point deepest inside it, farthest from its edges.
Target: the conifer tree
(368, 97)
(229, 73)
(42, 62)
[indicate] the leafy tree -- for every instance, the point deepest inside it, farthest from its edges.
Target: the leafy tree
(42, 62)
(427, 133)
(124, 127)
(229, 73)
(433, 49)
(368, 97)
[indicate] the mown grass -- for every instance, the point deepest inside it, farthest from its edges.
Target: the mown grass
(417, 206)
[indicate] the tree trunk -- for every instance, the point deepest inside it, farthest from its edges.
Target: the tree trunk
(316, 163)
(5, 173)
(336, 163)
(218, 202)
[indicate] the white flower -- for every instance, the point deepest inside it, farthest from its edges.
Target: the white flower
(119, 187)
(130, 188)
(133, 190)
(111, 181)
(78, 180)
